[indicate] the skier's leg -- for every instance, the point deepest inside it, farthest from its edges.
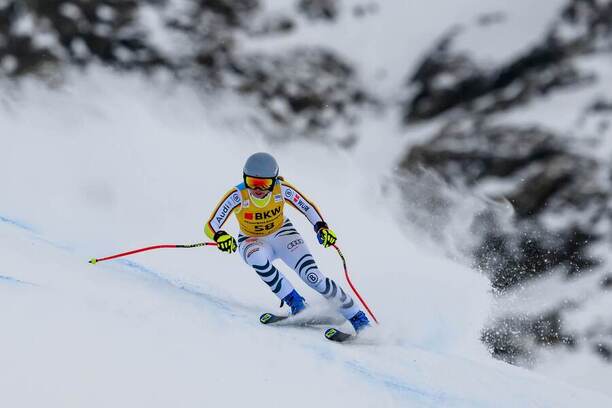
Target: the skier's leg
(258, 253)
(290, 247)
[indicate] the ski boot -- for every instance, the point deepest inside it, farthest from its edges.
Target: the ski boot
(360, 321)
(295, 302)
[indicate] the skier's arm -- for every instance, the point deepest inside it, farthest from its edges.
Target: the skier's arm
(230, 201)
(291, 195)
(294, 197)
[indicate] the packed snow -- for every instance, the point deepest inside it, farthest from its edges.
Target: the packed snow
(107, 163)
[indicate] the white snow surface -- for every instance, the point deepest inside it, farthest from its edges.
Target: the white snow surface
(107, 164)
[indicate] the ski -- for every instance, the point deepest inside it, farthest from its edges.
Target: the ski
(300, 320)
(269, 318)
(331, 334)
(337, 335)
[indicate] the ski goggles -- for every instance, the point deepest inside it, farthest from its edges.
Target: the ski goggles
(259, 183)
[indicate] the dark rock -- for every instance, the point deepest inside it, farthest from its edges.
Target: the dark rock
(505, 341)
(560, 197)
(447, 79)
(541, 178)
(488, 19)
(547, 330)
(319, 9)
(233, 12)
(537, 72)
(474, 151)
(604, 350)
(83, 34)
(277, 25)
(19, 49)
(109, 32)
(511, 338)
(534, 194)
(363, 10)
(594, 17)
(311, 84)
(606, 282)
(511, 259)
(601, 105)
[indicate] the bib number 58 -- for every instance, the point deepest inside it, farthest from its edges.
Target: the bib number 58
(262, 228)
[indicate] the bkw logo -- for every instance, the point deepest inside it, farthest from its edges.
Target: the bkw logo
(262, 215)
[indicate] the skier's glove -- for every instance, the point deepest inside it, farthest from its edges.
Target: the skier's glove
(325, 236)
(225, 242)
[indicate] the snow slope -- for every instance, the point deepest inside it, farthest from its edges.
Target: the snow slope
(107, 164)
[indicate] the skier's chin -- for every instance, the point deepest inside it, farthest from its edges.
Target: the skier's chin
(259, 193)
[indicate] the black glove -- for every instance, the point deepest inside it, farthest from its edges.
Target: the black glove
(325, 236)
(225, 242)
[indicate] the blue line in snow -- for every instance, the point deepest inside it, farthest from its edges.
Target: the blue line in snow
(433, 399)
(63, 247)
(217, 302)
(16, 223)
(13, 280)
(393, 383)
(26, 227)
(397, 385)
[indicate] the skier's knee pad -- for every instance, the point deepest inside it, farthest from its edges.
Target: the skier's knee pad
(255, 254)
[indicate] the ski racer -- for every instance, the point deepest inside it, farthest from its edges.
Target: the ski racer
(267, 234)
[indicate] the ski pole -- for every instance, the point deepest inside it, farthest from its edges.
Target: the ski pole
(346, 275)
(135, 251)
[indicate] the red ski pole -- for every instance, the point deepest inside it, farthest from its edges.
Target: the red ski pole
(135, 251)
(346, 275)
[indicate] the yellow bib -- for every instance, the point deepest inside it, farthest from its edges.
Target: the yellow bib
(258, 219)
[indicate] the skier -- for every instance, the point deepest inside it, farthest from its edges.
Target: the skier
(267, 234)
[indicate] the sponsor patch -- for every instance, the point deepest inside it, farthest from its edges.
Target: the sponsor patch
(223, 211)
(296, 198)
(294, 243)
(236, 198)
(252, 251)
(312, 278)
(262, 215)
(288, 194)
(278, 198)
(303, 206)
(246, 203)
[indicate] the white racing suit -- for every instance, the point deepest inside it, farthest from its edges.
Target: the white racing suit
(266, 234)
